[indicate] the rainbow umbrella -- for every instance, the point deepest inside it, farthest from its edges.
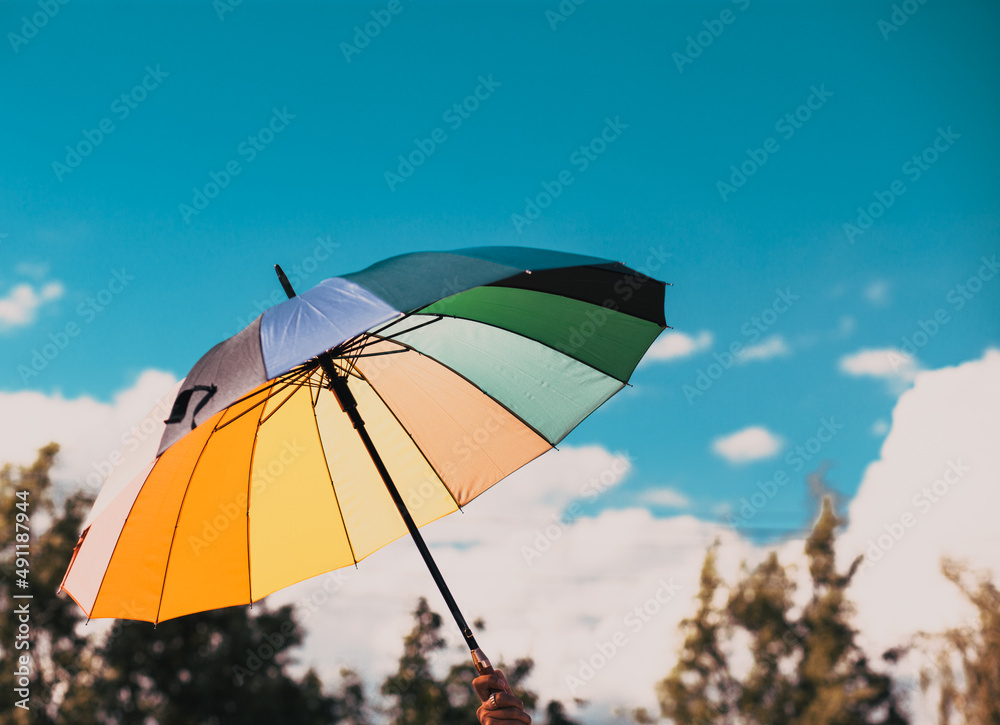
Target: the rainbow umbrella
(360, 410)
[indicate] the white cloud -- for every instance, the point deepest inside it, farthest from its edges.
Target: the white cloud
(580, 592)
(845, 327)
(669, 497)
(878, 293)
(548, 584)
(749, 444)
(583, 588)
(677, 345)
(890, 364)
(20, 306)
(773, 346)
(946, 423)
(592, 572)
(32, 269)
(87, 430)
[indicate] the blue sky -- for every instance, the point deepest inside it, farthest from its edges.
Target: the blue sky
(546, 87)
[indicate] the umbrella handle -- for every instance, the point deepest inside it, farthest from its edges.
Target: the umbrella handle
(482, 662)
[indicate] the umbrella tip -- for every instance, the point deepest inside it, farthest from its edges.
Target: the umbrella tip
(285, 284)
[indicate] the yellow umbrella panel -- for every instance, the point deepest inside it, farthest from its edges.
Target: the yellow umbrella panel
(279, 488)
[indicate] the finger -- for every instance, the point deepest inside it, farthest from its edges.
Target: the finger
(486, 685)
(503, 701)
(503, 681)
(505, 717)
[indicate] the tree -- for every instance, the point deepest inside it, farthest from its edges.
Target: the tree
(970, 691)
(805, 670)
(418, 698)
(835, 683)
(700, 688)
(555, 714)
(228, 665)
(760, 605)
(55, 650)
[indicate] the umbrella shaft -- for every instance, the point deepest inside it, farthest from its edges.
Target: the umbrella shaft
(338, 384)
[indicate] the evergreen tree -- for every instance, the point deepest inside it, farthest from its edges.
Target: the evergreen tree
(59, 655)
(805, 670)
(835, 684)
(555, 714)
(700, 688)
(760, 605)
(226, 665)
(970, 696)
(418, 698)
(217, 667)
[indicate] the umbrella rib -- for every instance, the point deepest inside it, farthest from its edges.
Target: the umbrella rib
(445, 412)
(319, 387)
(525, 337)
(289, 377)
(180, 509)
(104, 576)
(253, 452)
(499, 402)
(271, 393)
(531, 339)
(390, 323)
(333, 488)
(390, 338)
(278, 406)
(537, 342)
(361, 341)
(376, 354)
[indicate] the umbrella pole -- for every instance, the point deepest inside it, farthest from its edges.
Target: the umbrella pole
(338, 384)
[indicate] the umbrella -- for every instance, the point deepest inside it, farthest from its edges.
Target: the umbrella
(360, 410)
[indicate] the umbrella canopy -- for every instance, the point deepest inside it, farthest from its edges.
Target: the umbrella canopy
(463, 366)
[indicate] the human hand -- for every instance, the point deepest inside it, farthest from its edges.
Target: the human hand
(499, 707)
